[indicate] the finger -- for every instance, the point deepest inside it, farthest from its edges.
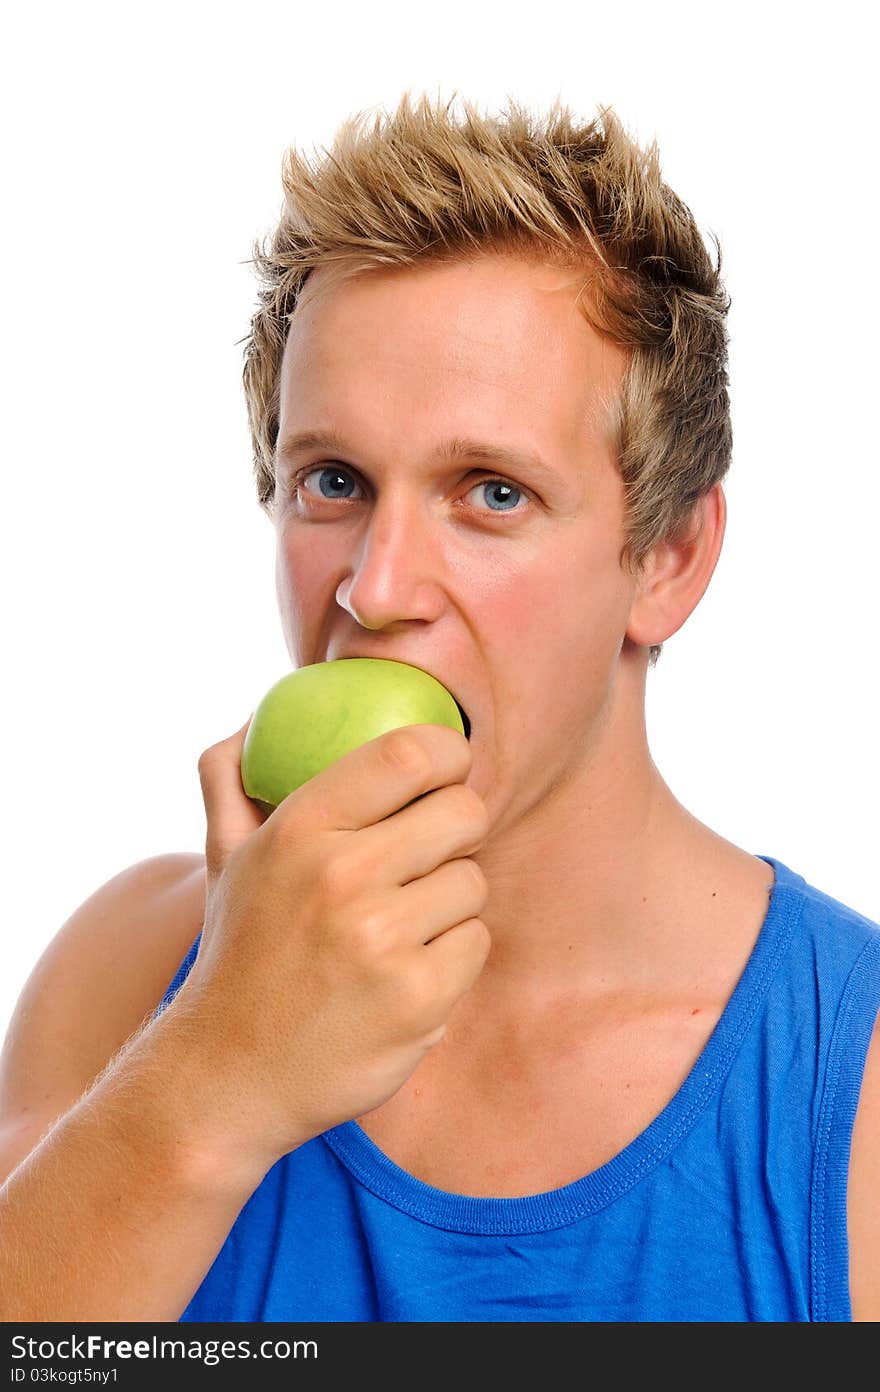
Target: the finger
(231, 815)
(430, 906)
(455, 959)
(443, 825)
(380, 777)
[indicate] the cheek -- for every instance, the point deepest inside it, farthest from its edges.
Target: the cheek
(553, 641)
(302, 578)
(568, 608)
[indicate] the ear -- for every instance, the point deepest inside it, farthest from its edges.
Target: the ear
(677, 574)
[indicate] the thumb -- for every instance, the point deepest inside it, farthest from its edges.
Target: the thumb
(231, 815)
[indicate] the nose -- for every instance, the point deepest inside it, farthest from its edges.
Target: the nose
(394, 576)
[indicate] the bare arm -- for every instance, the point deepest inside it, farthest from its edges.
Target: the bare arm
(863, 1195)
(111, 1209)
(121, 1208)
(100, 977)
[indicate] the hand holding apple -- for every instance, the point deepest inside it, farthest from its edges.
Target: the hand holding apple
(338, 935)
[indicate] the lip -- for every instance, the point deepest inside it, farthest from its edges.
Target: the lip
(387, 657)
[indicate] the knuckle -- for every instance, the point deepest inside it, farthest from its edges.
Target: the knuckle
(371, 935)
(345, 872)
(206, 759)
(327, 882)
(405, 752)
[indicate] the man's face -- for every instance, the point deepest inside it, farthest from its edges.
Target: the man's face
(497, 576)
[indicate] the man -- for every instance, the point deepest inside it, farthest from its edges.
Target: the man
(540, 1044)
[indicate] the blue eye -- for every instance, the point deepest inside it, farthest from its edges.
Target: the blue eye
(329, 481)
(334, 480)
(502, 491)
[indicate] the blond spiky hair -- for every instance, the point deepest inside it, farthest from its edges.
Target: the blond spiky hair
(423, 185)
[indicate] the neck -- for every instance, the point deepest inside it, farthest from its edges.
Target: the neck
(608, 883)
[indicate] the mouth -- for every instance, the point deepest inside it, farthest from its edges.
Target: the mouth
(464, 719)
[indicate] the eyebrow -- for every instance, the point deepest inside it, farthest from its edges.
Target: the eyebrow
(457, 448)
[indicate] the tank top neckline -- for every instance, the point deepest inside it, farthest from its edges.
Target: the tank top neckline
(555, 1208)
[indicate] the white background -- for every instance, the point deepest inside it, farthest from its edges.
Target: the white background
(141, 157)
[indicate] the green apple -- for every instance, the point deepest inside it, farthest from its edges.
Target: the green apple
(315, 714)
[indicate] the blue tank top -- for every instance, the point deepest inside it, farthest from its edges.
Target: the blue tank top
(730, 1206)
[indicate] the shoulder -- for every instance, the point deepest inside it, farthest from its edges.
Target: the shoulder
(98, 980)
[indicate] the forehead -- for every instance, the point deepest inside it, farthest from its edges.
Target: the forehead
(494, 333)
